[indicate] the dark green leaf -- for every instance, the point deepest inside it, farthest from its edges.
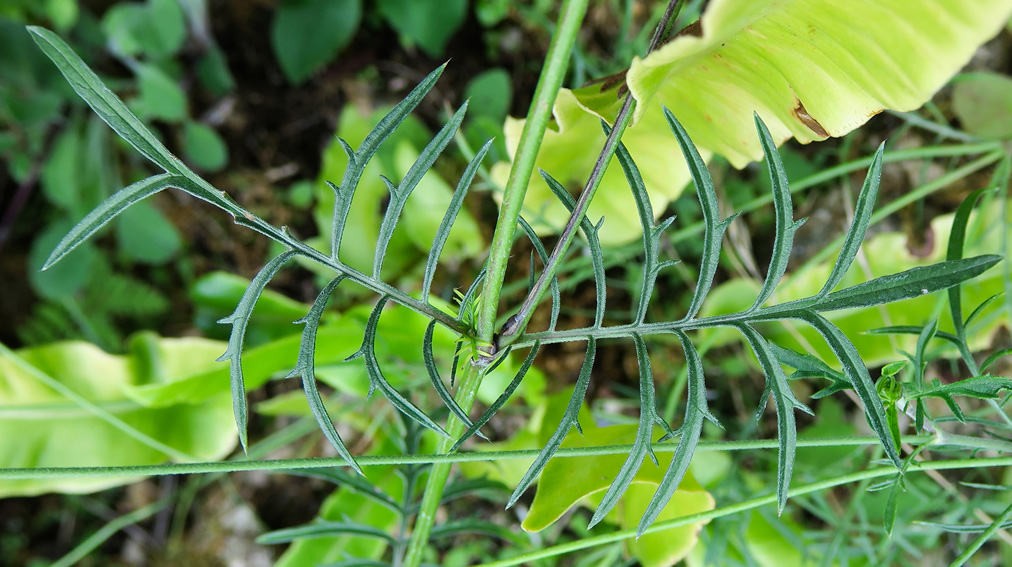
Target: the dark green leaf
(713, 233)
(543, 254)
(451, 214)
(377, 380)
(359, 159)
(860, 379)
(428, 23)
(859, 226)
(785, 402)
(159, 95)
(904, 285)
(239, 319)
(203, 147)
(981, 387)
(356, 483)
(71, 275)
(474, 526)
(593, 245)
(437, 382)
(784, 214)
(994, 357)
(107, 211)
(643, 443)
(692, 426)
(808, 366)
(569, 419)
(306, 368)
(399, 196)
(957, 236)
(912, 330)
(501, 400)
(308, 34)
(491, 92)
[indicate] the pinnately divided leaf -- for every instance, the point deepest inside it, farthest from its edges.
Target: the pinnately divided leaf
(783, 242)
(399, 195)
(569, 419)
(437, 382)
(359, 159)
(306, 368)
(108, 210)
(859, 226)
(714, 229)
(239, 319)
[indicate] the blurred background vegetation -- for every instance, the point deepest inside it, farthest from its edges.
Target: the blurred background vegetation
(250, 93)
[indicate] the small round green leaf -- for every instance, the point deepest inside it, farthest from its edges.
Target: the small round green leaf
(66, 277)
(307, 34)
(160, 96)
(490, 94)
(145, 235)
(983, 103)
(203, 147)
(428, 23)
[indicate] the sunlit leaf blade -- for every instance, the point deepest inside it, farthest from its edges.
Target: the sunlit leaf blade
(322, 529)
(808, 366)
(399, 196)
(371, 143)
(785, 403)
(593, 245)
(783, 212)
(501, 400)
(306, 368)
(108, 210)
(377, 380)
(911, 283)
(859, 227)
(437, 382)
(106, 104)
(569, 419)
(860, 379)
(456, 202)
(543, 254)
(692, 426)
(714, 228)
(642, 445)
(239, 319)
(957, 236)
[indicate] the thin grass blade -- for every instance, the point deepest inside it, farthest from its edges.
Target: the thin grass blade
(108, 210)
(859, 227)
(808, 366)
(860, 379)
(783, 242)
(713, 228)
(322, 529)
(501, 400)
(399, 197)
(642, 444)
(356, 483)
(443, 232)
(437, 382)
(378, 381)
(984, 536)
(371, 143)
(239, 320)
(306, 368)
(590, 231)
(957, 237)
(569, 418)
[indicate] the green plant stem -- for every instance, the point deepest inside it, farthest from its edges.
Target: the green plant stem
(105, 532)
(724, 511)
(557, 60)
(281, 465)
(516, 325)
(980, 540)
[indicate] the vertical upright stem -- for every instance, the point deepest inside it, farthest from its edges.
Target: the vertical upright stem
(570, 18)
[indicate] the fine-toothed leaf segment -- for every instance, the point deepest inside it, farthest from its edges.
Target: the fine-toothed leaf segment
(848, 371)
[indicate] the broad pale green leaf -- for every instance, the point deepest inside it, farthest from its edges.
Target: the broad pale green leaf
(159, 95)
(569, 481)
(308, 34)
(809, 68)
(203, 147)
(145, 235)
(40, 427)
(155, 28)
